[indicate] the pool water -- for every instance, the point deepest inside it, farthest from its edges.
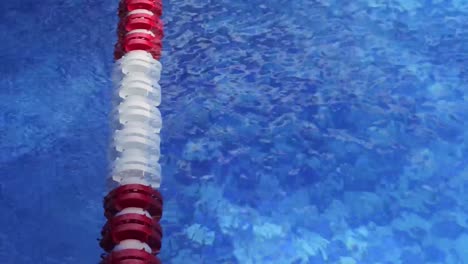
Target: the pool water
(295, 132)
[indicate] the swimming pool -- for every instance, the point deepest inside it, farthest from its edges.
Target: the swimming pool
(294, 131)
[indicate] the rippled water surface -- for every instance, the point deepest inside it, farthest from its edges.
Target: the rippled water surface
(295, 132)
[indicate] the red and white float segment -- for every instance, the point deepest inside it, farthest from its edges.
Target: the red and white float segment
(133, 208)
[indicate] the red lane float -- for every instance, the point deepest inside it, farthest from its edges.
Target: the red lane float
(134, 195)
(131, 226)
(154, 6)
(142, 41)
(141, 20)
(139, 40)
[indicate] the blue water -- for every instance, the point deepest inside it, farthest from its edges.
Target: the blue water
(306, 131)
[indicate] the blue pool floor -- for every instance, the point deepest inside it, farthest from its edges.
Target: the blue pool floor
(295, 132)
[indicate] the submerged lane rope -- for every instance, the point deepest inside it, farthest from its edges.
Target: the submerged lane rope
(133, 207)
